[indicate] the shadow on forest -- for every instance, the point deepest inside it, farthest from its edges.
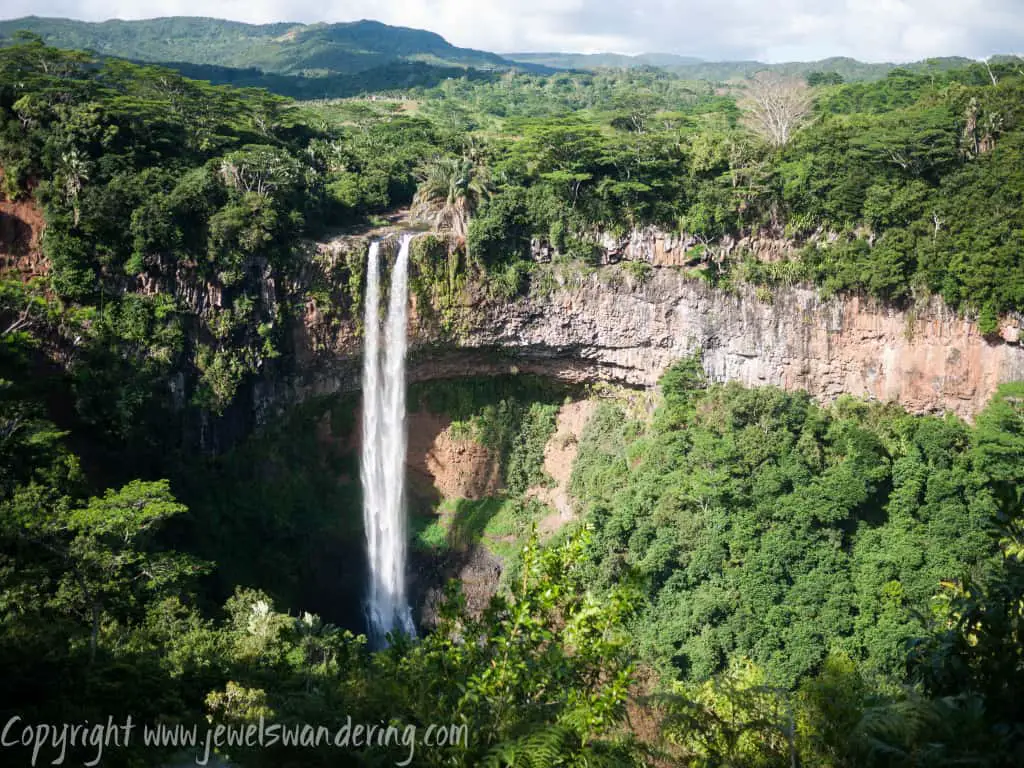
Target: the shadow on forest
(470, 520)
(398, 75)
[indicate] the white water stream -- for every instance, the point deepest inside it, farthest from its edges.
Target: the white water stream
(384, 447)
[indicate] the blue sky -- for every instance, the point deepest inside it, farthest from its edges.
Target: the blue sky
(768, 30)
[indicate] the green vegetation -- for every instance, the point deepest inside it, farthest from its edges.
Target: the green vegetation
(124, 635)
(449, 193)
(340, 60)
(292, 482)
(761, 580)
(831, 71)
(594, 61)
(899, 188)
(812, 582)
(500, 524)
(170, 206)
(856, 503)
(316, 61)
(772, 529)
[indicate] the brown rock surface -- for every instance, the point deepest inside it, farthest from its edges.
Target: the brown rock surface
(559, 458)
(927, 360)
(21, 227)
(609, 326)
(457, 468)
(439, 465)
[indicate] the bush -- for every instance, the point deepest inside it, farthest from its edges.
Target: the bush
(501, 231)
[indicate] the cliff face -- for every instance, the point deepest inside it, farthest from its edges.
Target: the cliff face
(610, 326)
(928, 360)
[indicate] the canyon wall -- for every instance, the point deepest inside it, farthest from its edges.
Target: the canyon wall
(612, 326)
(928, 360)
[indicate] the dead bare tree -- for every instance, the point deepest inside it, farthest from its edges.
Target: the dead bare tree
(776, 106)
(22, 306)
(991, 74)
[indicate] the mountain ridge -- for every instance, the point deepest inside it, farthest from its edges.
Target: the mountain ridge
(343, 59)
(696, 68)
(569, 60)
(283, 48)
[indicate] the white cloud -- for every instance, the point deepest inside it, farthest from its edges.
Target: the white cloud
(873, 30)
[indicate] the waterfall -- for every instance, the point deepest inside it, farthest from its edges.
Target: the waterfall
(384, 446)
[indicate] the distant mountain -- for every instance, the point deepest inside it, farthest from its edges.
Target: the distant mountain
(334, 60)
(850, 69)
(603, 60)
(285, 49)
(698, 69)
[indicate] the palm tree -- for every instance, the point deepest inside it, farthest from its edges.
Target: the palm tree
(450, 190)
(75, 172)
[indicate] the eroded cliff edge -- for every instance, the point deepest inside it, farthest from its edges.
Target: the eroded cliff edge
(610, 325)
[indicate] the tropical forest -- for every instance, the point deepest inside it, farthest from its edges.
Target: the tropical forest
(367, 400)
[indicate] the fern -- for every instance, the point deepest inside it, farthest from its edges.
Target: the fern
(537, 749)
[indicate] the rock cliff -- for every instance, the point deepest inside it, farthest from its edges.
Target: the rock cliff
(620, 326)
(928, 359)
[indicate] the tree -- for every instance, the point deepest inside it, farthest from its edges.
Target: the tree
(23, 306)
(449, 193)
(108, 561)
(501, 232)
(260, 169)
(975, 651)
(109, 568)
(824, 78)
(635, 108)
(776, 106)
(74, 172)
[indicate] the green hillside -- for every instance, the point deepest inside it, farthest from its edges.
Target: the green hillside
(284, 48)
(398, 75)
(319, 50)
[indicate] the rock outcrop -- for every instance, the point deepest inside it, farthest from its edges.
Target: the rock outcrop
(672, 249)
(614, 324)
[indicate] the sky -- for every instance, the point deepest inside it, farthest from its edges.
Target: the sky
(766, 30)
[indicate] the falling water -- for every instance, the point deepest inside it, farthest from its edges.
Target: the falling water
(384, 440)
